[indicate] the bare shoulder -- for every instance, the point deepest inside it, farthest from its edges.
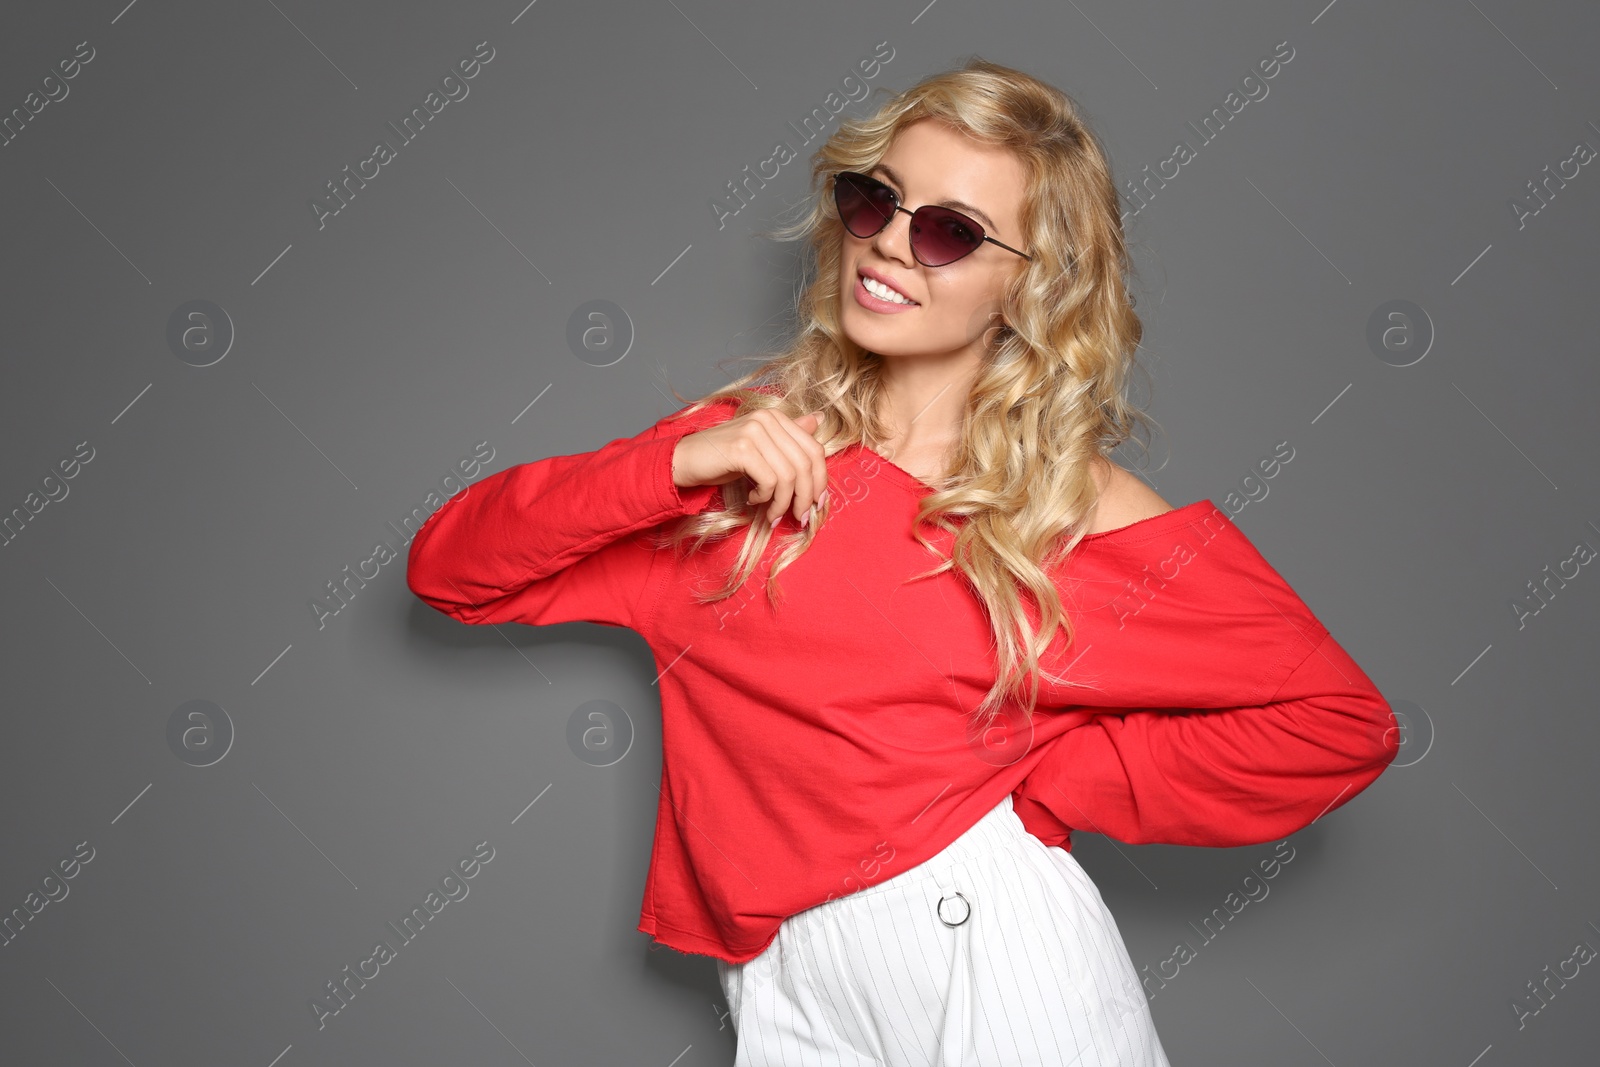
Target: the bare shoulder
(1124, 499)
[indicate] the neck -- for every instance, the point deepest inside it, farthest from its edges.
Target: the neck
(924, 399)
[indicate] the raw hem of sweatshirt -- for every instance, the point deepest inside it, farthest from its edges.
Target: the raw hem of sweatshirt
(698, 944)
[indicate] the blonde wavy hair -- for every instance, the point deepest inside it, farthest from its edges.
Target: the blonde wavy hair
(1047, 401)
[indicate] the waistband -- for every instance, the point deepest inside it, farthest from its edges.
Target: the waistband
(999, 828)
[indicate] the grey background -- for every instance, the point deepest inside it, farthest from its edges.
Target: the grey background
(370, 355)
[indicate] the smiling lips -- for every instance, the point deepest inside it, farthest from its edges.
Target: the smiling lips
(879, 295)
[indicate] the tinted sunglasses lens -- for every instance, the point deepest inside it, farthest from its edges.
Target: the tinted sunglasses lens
(940, 236)
(865, 205)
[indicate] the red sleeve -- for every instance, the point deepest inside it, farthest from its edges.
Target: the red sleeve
(1220, 777)
(561, 539)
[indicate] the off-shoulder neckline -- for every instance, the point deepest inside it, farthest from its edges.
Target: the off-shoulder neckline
(1149, 527)
(1155, 524)
(900, 474)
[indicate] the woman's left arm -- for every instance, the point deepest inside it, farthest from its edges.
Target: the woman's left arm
(1220, 776)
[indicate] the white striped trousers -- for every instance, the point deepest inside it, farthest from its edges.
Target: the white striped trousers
(998, 950)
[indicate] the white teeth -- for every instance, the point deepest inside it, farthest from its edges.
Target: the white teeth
(883, 292)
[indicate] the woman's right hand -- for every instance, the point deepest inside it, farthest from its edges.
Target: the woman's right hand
(779, 455)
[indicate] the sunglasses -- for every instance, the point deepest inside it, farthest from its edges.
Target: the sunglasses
(939, 235)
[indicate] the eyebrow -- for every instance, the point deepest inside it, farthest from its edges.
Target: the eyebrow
(959, 205)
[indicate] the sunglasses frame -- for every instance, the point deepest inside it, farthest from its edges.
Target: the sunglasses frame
(967, 220)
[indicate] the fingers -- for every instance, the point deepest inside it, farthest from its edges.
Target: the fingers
(789, 467)
(811, 467)
(790, 470)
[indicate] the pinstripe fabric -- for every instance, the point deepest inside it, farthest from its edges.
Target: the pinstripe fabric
(1034, 970)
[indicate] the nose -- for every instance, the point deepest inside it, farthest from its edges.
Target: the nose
(894, 240)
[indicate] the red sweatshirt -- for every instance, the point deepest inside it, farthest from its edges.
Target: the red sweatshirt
(818, 747)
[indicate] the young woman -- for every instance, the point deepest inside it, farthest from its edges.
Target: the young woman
(892, 687)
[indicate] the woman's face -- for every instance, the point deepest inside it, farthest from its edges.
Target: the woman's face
(930, 163)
